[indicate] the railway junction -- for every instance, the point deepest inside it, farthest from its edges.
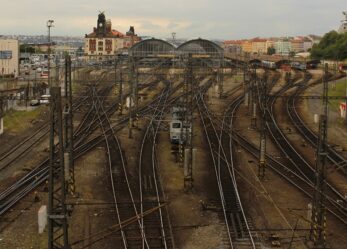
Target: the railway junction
(178, 147)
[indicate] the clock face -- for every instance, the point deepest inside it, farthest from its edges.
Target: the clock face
(100, 25)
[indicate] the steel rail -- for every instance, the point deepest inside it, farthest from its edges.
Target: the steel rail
(281, 169)
(39, 174)
(297, 161)
(338, 160)
(229, 164)
(232, 165)
(141, 166)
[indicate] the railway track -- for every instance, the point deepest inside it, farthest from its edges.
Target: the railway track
(334, 157)
(282, 169)
(156, 226)
(238, 227)
(123, 197)
(335, 200)
(10, 196)
(286, 170)
(22, 148)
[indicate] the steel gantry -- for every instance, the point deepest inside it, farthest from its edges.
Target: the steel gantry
(57, 212)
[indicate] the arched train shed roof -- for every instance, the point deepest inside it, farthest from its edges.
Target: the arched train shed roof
(201, 46)
(151, 47)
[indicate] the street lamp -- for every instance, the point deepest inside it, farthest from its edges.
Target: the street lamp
(49, 26)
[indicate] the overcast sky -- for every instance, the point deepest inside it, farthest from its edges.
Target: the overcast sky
(219, 19)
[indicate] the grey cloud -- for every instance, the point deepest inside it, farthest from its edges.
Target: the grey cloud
(214, 19)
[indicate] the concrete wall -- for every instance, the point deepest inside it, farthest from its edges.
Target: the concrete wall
(9, 65)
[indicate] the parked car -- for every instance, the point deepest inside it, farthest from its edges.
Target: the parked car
(44, 73)
(45, 99)
(34, 102)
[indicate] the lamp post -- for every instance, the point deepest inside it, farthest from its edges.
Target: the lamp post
(345, 98)
(49, 26)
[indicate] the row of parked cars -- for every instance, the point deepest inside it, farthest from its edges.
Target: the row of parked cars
(43, 71)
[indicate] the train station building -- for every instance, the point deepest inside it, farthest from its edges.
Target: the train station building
(105, 41)
(9, 58)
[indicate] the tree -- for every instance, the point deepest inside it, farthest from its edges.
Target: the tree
(79, 51)
(25, 48)
(271, 50)
(291, 54)
(333, 46)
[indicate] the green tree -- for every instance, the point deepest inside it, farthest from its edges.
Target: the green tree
(25, 48)
(271, 50)
(333, 46)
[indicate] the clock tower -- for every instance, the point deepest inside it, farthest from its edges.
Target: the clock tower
(101, 25)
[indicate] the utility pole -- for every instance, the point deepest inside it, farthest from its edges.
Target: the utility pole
(220, 77)
(173, 37)
(132, 94)
(1, 115)
(136, 93)
(120, 87)
(246, 80)
(262, 155)
(57, 212)
(57, 71)
(345, 100)
(49, 26)
(120, 92)
(318, 218)
(189, 97)
(253, 105)
(68, 130)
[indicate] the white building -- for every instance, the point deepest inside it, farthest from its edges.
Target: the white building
(307, 44)
(9, 58)
(283, 47)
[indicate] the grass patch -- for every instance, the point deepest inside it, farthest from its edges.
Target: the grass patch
(19, 121)
(238, 78)
(337, 89)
